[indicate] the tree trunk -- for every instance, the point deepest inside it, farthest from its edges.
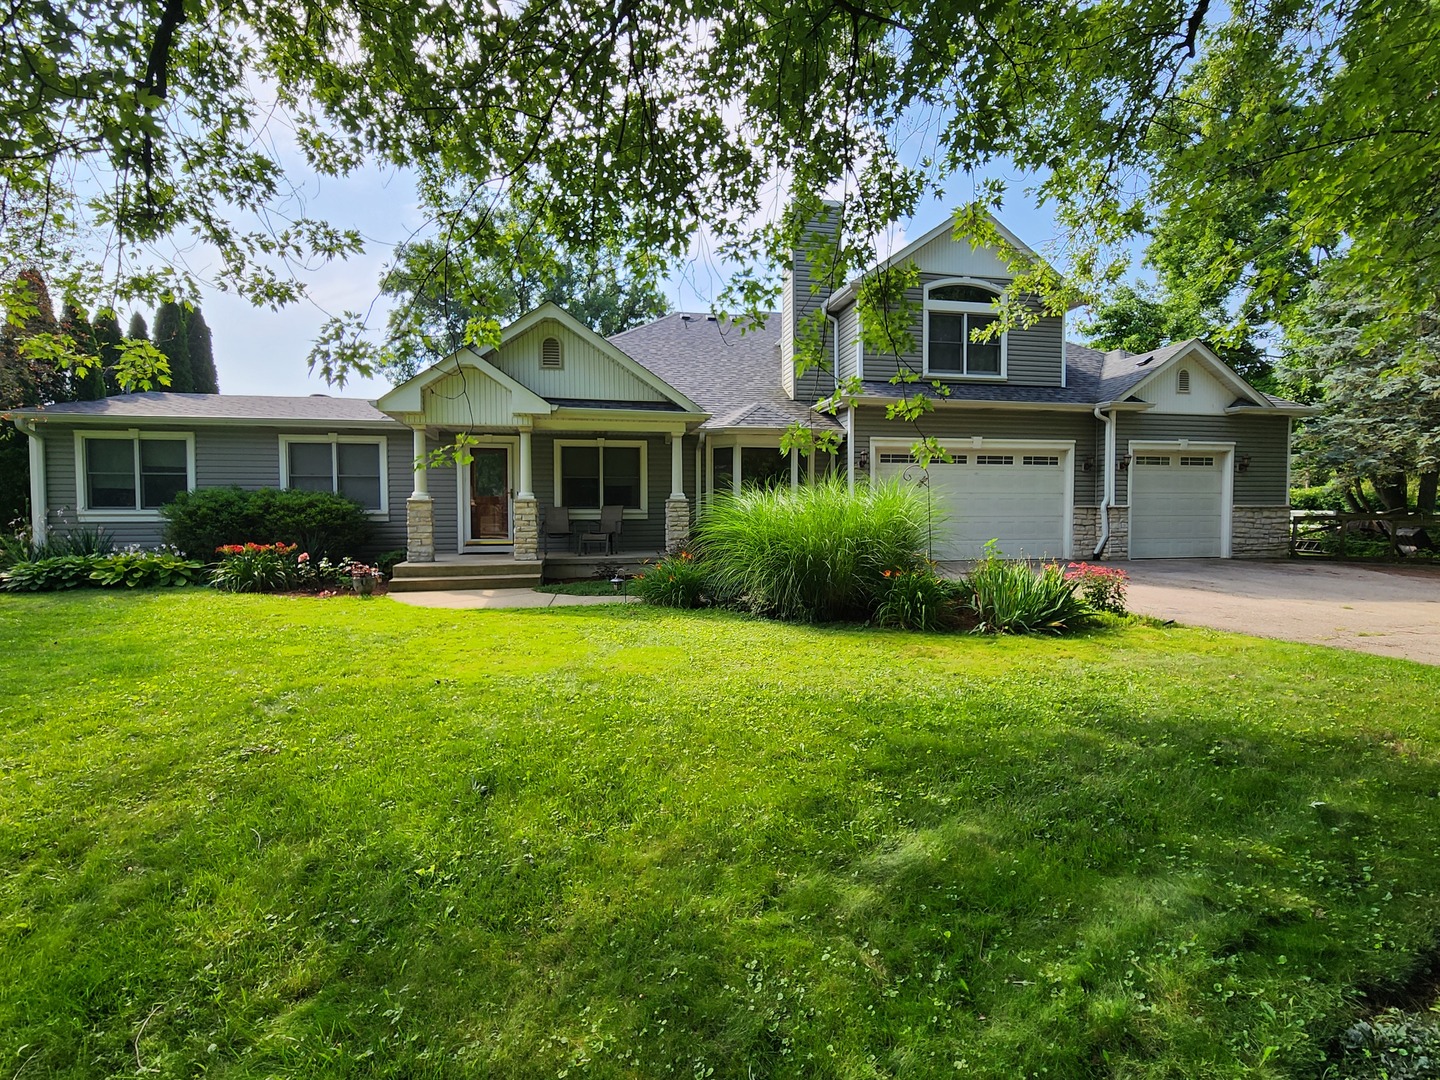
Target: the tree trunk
(1429, 487)
(1394, 491)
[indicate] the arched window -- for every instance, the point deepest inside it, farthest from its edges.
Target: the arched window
(954, 310)
(550, 355)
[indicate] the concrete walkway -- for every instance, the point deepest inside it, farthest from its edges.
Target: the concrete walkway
(1386, 610)
(501, 598)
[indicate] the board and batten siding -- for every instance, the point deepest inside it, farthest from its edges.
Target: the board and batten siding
(586, 372)
(468, 398)
(247, 457)
(1264, 438)
(1033, 355)
(943, 423)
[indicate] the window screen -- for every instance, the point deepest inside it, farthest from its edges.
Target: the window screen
(580, 476)
(358, 465)
(163, 472)
(110, 473)
(311, 467)
(620, 466)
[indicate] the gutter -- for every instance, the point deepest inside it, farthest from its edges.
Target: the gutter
(1107, 497)
(38, 507)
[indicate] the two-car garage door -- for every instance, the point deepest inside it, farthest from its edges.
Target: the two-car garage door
(1016, 495)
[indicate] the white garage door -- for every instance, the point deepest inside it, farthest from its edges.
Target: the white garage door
(1016, 496)
(1175, 505)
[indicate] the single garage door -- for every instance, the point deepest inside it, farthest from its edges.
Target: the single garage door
(1175, 505)
(1016, 496)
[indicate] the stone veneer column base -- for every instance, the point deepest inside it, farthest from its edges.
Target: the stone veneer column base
(1260, 532)
(527, 529)
(419, 530)
(1086, 531)
(677, 523)
(1118, 546)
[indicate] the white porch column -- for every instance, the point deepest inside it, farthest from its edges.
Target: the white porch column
(794, 469)
(527, 510)
(677, 507)
(419, 509)
(735, 468)
(422, 474)
(677, 466)
(526, 483)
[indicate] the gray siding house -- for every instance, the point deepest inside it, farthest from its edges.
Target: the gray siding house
(1054, 450)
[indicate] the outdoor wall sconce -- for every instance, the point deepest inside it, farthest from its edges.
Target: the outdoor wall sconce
(862, 459)
(1242, 463)
(1123, 462)
(1087, 463)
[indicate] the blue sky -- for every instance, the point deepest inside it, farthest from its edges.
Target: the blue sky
(258, 351)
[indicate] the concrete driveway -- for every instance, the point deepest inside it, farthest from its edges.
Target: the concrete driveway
(1389, 611)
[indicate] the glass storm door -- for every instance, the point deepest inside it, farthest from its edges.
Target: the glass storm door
(490, 493)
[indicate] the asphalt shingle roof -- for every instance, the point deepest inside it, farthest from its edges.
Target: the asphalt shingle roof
(731, 369)
(157, 405)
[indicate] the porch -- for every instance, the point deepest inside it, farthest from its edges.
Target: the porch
(485, 571)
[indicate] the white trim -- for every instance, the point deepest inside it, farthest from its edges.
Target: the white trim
(588, 513)
(957, 307)
(850, 447)
(1063, 448)
(84, 512)
(464, 541)
(1289, 454)
(335, 439)
(1224, 450)
(39, 511)
(1064, 352)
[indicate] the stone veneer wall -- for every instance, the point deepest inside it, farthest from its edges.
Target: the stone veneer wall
(527, 529)
(1118, 546)
(1260, 532)
(1087, 531)
(677, 523)
(419, 530)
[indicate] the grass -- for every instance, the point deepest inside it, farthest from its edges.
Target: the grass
(579, 588)
(259, 836)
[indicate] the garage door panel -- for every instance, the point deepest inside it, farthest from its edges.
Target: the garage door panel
(1022, 506)
(1175, 506)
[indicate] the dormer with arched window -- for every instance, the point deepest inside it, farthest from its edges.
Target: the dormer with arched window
(954, 310)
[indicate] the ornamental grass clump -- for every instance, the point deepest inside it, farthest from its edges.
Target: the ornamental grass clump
(815, 554)
(917, 600)
(1006, 596)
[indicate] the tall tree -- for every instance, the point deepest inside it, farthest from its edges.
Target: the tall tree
(137, 330)
(107, 341)
(88, 385)
(174, 345)
(1379, 389)
(1139, 318)
(202, 353)
(25, 380)
(504, 271)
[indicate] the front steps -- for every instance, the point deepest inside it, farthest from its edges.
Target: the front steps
(479, 572)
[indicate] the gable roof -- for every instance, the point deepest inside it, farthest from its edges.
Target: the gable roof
(731, 367)
(409, 396)
(218, 408)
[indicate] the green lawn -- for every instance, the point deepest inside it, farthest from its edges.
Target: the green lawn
(254, 837)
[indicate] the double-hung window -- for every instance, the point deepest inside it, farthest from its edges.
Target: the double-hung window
(353, 466)
(954, 312)
(130, 471)
(589, 475)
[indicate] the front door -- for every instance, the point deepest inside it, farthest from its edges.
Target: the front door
(490, 495)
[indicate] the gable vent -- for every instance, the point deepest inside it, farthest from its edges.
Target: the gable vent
(550, 356)
(1182, 381)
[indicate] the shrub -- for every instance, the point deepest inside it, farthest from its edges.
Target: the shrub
(1325, 497)
(256, 568)
(132, 569)
(917, 600)
(1008, 596)
(325, 525)
(679, 580)
(814, 554)
(1103, 587)
(387, 560)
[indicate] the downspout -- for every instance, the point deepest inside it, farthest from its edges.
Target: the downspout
(37, 480)
(1107, 497)
(835, 373)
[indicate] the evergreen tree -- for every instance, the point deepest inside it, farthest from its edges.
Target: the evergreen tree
(25, 382)
(170, 339)
(107, 341)
(137, 329)
(202, 354)
(91, 385)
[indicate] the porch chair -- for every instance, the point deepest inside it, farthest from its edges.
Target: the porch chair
(606, 531)
(557, 523)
